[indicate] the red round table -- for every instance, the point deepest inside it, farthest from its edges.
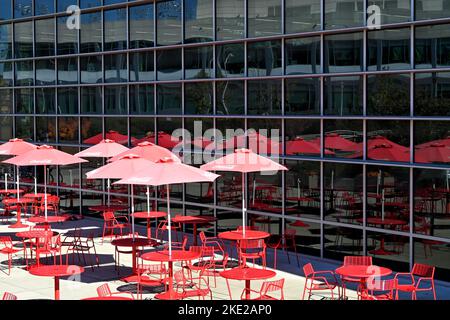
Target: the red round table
(50, 219)
(163, 256)
(383, 222)
(194, 220)
(35, 198)
(149, 215)
(19, 203)
(10, 191)
(108, 298)
(56, 271)
(34, 234)
(133, 244)
(247, 274)
(363, 273)
(237, 235)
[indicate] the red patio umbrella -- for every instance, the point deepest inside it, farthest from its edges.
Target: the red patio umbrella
(161, 139)
(244, 161)
(104, 149)
(436, 152)
(44, 156)
(110, 135)
(445, 142)
(148, 151)
(300, 145)
(335, 142)
(257, 142)
(386, 152)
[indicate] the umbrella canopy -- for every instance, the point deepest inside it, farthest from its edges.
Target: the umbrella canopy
(110, 135)
(15, 147)
(386, 152)
(445, 142)
(300, 145)
(335, 142)
(119, 169)
(104, 149)
(148, 151)
(436, 152)
(256, 142)
(162, 139)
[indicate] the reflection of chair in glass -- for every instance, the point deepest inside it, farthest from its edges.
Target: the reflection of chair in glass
(268, 288)
(421, 279)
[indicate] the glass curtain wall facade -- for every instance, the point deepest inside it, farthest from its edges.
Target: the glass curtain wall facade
(374, 101)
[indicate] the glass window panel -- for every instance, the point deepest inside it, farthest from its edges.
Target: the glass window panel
(230, 19)
(45, 101)
(344, 14)
(432, 142)
(230, 97)
(115, 29)
(23, 39)
(6, 102)
(142, 127)
(307, 236)
(116, 68)
(116, 100)
(168, 22)
(168, 64)
(264, 58)
(388, 95)
(25, 128)
(264, 195)
(5, 41)
(388, 250)
(302, 96)
(68, 100)
(67, 38)
(91, 69)
(302, 55)
(230, 60)
(264, 18)
(90, 127)
(388, 140)
(142, 66)
(6, 128)
(264, 97)
(5, 10)
(167, 126)
(6, 74)
(342, 241)
(91, 100)
(90, 3)
(389, 49)
(24, 100)
(432, 45)
(142, 32)
(432, 94)
(226, 131)
(142, 99)
(228, 219)
(264, 136)
(118, 125)
(24, 73)
(91, 32)
(45, 37)
(303, 189)
(393, 11)
(343, 138)
(46, 129)
(302, 16)
(198, 62)
(344, 52)
(302, 137)
(198, 20)
(68, 71)
(23, 8)
(426, 9)
(169, 98)
(197, 137)
(433, 253)
(62, 5)
(198, 97)
(45, 72)
(343, 95)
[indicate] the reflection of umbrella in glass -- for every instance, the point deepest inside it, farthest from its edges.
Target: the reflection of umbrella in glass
(44, 156)
(386, 152)
(257, 142)
(162, 139)
(334, 141)
(435, 152)
(244, 161)
(147, 150)
(301, 146)
(445, 142)
(110, 135)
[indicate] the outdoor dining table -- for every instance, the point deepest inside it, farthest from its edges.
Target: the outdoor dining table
(194, 220)
(34, 198)
(56, 271)
(363, 273)
(238, 235)
(247, 274)
(383, 222)
(163, 256)
(149, 215)
(34, 234)
(49, 219)
(133, 244)
(19, 203)
(10, 191)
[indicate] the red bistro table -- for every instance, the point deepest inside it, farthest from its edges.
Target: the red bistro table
(194, 220)
(128, 242)
(149, 215)
(19, 204)
(384, 222)
(238, 235)
(56, 271)
(34, 234)
(10, 191)
(363, 273)
(247, 274)
(50, 219)
(35, 197)
(163, 256)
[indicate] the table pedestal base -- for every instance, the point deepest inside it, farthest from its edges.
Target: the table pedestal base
(382, 252)
(18, 225)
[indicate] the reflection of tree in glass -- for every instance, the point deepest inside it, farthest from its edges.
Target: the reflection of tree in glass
(388, 95)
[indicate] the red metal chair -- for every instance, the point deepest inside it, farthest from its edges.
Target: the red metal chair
(379, 290)
(177, 245)
(163, 227)
(214, 242)
(424, 274)
(7, 247)
(49, 245)
(192, 287)
(266, 288)
(82, 245)
(146, 276)
(52, 205)
(105, 291)
(111, 224)
(9, 296)
(352, 261)
(252, 249)
(317, 281)
(285, 242)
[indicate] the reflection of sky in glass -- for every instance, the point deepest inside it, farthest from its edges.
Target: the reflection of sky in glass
(90, 3)
(44, 6)
(169, 10)
(141, 12)
(5, 10)
(64, 4)
(22, 8)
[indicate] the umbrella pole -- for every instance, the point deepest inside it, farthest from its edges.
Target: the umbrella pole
(132, 211)
(148, 200)
(18, 196)
(243, 203)
(168, 222)
(45, 191)
(108, 186)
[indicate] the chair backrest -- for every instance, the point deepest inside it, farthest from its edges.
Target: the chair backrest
(202, 236)
(382, 285)
(252, 244)
(273, 286)
(357, 260)
(308, 269)
(104, 290)
(423, 270)
(43, 226)
(6, 242)
(9, 296)
(109, 216)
